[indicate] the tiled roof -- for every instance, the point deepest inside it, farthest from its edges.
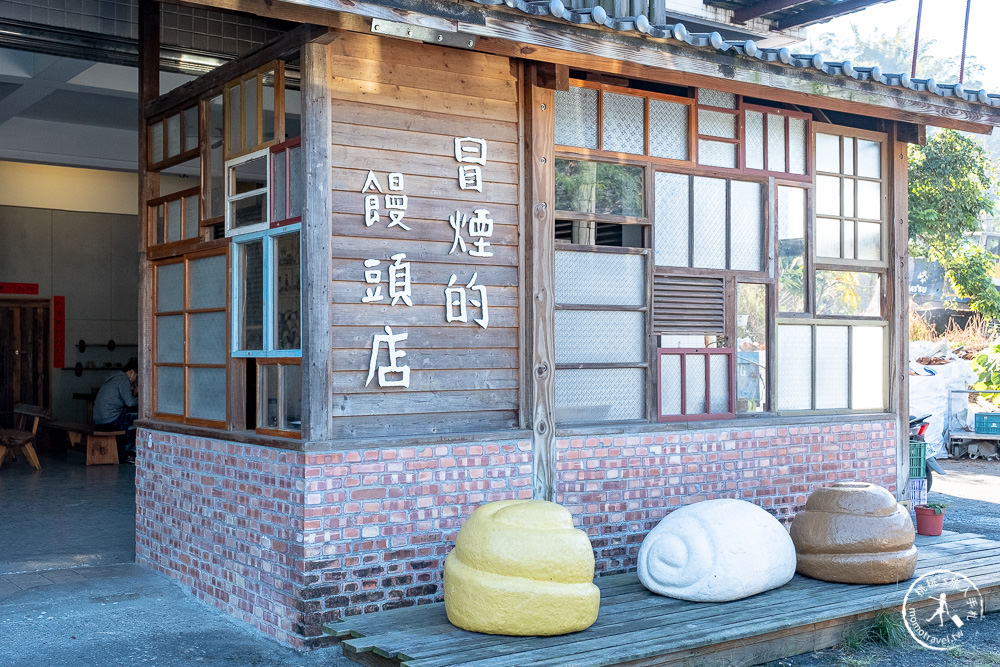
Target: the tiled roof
(598, 16)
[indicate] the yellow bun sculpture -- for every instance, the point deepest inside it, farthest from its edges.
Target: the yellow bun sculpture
(519, 567)
(854, 533)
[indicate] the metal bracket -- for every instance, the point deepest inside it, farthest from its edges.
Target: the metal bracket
(415, 32)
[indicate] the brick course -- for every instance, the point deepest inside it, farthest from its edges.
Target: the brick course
(287, 541)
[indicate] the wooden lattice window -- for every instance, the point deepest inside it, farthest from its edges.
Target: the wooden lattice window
(695, 384)
(173, 139)
(279, 397)
(174, 217)
(254, 110)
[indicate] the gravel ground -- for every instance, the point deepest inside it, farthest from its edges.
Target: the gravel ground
(972, 491)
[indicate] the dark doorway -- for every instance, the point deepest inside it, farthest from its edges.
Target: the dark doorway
(24, 354)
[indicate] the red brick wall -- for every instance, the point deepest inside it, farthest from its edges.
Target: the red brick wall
(288, 541)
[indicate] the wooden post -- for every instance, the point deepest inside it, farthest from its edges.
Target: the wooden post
(541, 282)
(898, 302)
(316, 236)
(149, 89)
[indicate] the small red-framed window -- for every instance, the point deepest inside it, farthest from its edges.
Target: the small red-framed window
(287, 183)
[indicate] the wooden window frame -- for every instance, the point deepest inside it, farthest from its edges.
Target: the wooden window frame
(261, 409)
(787, 114)
(277, 152)
(736, 141)
(706, 352)
(181, 244)
(205, 120)
(186, 153)
(277, 67)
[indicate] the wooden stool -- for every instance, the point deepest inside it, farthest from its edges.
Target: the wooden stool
(26, 418)
(102, 447)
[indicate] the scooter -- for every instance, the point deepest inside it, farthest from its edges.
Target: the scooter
(918, 428)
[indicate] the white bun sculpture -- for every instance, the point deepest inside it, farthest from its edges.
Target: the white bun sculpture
(716, 551)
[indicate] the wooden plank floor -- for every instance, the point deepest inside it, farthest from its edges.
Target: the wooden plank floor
(637, 627)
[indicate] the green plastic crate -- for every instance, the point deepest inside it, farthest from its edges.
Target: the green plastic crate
(918, 458)
(988, 422)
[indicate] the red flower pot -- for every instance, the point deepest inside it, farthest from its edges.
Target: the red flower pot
(929, 522)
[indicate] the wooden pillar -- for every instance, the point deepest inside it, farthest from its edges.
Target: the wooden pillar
(898, 302)
(540, 286)
(149, 89)
(316, 237)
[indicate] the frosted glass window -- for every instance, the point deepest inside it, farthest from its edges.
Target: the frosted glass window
(827, 237)
(235, 119)
(208, 338)
(848, 240)
(716, 124)
(576, 117)
(208, 282)
(796, 145)
(849, 156)
(827, 153)
(754, 135)
(775, 142)
(827, 195)
(624, 123)
(160, 224)
(718, 367)
(216, 167)
(869, 159)
(174, 135)
(170, 339)
(746, 220)
(170, 287)
(672, 219)
(600, 394)
(597, 278)
(174, 220)
(794, 367)
(670, 384)
(831, 367)
(868, 368)
(279, 196)
(207, 388)
(190, 128)
(848, 293)
(694, 384)
(709, 223)
(716, 153)
(848, 197)
(870, 200)
(191, 217)
(156, 141)
(869, 241)
(267, 107)
(600, 336)
(716, 98)
(668, 129)
(250, 123)
(296, 182)
(170, 390)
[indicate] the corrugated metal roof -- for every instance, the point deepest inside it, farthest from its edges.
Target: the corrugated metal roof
(598, 16)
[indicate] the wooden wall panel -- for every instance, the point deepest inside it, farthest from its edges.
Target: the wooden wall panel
(397, 107)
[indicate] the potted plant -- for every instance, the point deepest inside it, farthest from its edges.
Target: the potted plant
(930, 518)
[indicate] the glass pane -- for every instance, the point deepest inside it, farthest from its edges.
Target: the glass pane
(848, 197)
(216, 168)
(296, 182)
(170, 339)
(709, 229)
(849, 156)
(791, 249)
(600, 336)
(754, 131)
(869, 241)
(716, 153)
(716, 98)
(796, 146)
(624, 123)
(160, 224)
(250, 121)
(191, 217)
(747, 226)
(291, 398)
(267, 106)
(156, 141)
(831, 367)
(716, 124)
(173, 135)
(851, 293)
(827, 153)
(576, 117)
(170, 287)
(208, 282)
(235, 101)
(775, 142)
(827, 195)
(278, 175)
(191, 128)
(668, 129)
(600, 394)
(848, 239)
(718, 368)
(293, 112)
(174, 220)
(599, 187)
(207, 332)
(794, 367)
(207, 388)
(248, 211)
(250, 299)
(870, 200)
(672, 219)
(869, 159)
(670, 384)
(751, 347)
(597, 278)
(170, 390)
(867, 368)
(249, 175)
(288, 306)
(827, 237)
(694, 384)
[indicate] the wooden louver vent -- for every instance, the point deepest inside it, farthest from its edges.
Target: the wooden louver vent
(689, 304)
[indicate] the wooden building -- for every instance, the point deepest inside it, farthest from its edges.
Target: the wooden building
(433, 254)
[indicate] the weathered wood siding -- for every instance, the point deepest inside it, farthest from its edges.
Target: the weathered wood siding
(398, 106)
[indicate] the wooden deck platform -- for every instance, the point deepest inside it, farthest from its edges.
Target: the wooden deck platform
(636, 627)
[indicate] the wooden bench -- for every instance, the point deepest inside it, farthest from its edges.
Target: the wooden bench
(102, 446)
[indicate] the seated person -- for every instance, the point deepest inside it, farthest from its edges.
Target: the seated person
(115, 404)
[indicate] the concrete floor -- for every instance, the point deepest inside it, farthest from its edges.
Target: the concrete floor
(71, 595)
